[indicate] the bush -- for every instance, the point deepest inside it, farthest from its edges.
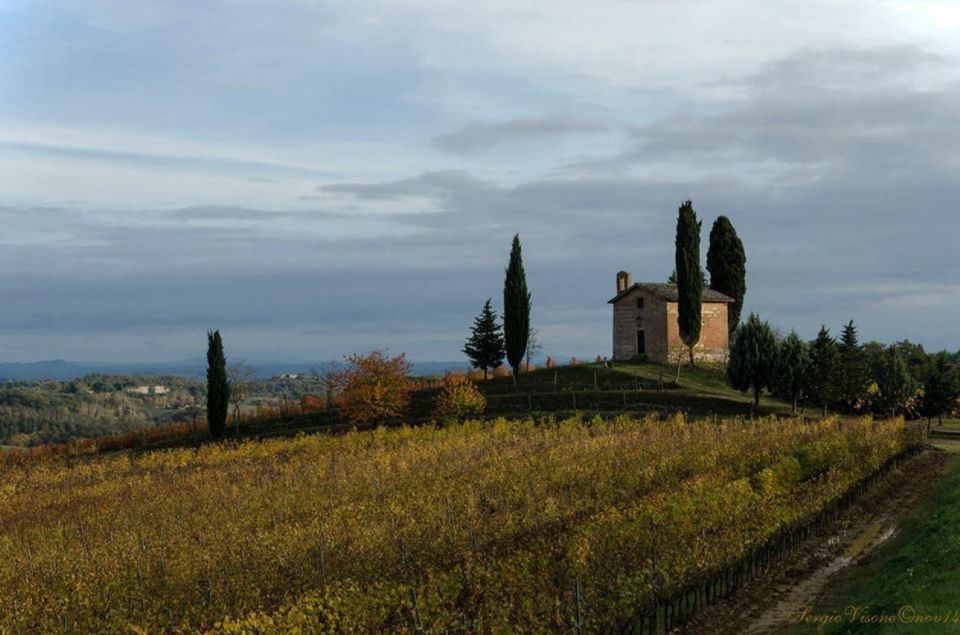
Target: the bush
(502, 371)
(374, 388)
(458, 400)
(312, 402)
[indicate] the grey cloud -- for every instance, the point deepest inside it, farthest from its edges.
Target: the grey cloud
(428, 183)
(833, 109)
(479, 136)
(846, 69)
(845, 198)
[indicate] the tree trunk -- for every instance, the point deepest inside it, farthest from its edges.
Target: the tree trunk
(793, 406)
(824, 411)
(692, 362)
(756, 397)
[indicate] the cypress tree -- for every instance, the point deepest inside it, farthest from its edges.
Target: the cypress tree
(791, 369)
(672, 279)
(484, 347)
(689, 281)
(516, 309)
(727, 264)
(824, 369)
(218, 388)
(852, 379)
(752, 357)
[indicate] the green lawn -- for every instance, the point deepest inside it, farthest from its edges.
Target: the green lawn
(949, 425)
(702, 390)
(704, 378)
(916, 574)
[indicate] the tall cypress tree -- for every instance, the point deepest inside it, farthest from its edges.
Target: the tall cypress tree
(218, 387)
(852, 379)
(824, 368)
(727, 264)
(484, 347)
(689, 281)
(516, 309)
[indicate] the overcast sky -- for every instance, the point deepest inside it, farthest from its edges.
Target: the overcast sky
(317, 178)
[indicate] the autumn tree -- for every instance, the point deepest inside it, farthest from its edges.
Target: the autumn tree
(218, 386)
(727, 264)
(242, 376)
(374, 388)
(458, 400)
(516, 309)
(752, 357)
(689, 280)
(484, 347)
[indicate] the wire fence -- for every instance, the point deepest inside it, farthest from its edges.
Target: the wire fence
(670, 613)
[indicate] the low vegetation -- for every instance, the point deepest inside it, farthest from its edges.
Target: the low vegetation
(911, 584)
(482, 526)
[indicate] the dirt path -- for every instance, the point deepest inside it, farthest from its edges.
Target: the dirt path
(766, 604)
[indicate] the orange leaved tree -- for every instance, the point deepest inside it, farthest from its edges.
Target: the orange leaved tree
(374, 388)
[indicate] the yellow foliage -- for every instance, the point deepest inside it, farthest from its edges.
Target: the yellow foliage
(479, 527)
(459, 399)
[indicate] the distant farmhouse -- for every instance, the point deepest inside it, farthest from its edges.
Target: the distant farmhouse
(148, 390)
(646, 326)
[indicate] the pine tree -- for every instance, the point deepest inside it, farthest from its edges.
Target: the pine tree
(689, 281)
(895, 382)
(824, 369)
(752, 357)
(852, 378)
(941, 387)
(791, 369)
(484, 347)
(218, 388)
(727, 264)
(516, 309)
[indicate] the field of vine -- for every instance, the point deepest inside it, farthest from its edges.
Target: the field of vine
(479, 526)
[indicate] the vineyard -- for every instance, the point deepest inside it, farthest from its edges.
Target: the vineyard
(568, 526)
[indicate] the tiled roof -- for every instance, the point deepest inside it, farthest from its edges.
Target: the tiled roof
(668, 292)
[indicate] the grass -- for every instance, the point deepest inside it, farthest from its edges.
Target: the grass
(634, 387)
(705, 378)
(949, 425)
(917, 573)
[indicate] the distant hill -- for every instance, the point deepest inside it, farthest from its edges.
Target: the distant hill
(59, 369)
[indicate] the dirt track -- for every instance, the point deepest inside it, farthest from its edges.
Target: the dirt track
(765, 604)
